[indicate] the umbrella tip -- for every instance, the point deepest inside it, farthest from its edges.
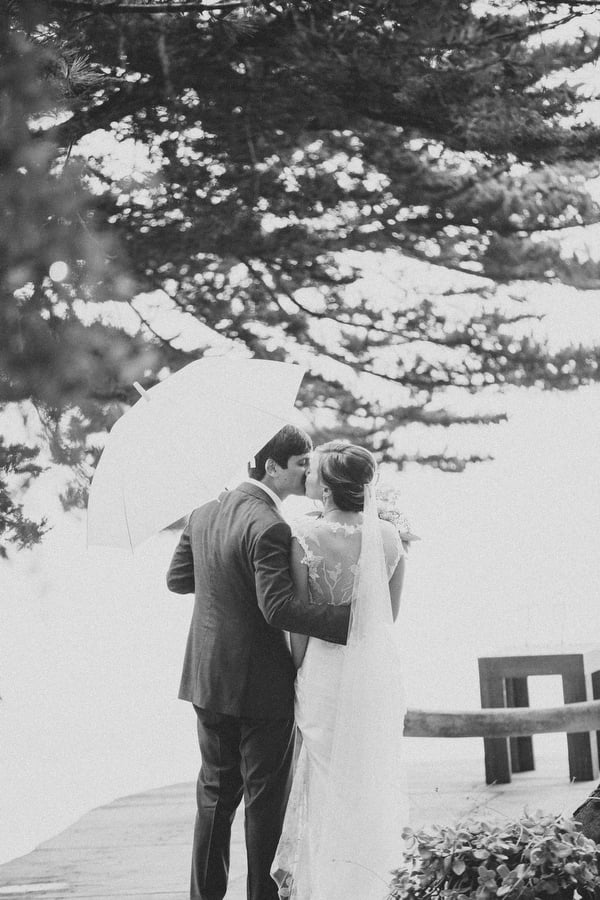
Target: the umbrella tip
(141, 391)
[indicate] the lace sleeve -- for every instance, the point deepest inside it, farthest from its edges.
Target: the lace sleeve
(300, 529)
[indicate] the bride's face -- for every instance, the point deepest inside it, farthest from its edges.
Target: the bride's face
(314, 485)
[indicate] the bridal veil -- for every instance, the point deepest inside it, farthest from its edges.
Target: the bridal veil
(364, 807)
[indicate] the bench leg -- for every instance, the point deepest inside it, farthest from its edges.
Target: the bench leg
(497, 760)
(583, 751)
(521, 748)
(596, 696)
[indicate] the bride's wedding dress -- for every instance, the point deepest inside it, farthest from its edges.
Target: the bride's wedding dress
(342, 832)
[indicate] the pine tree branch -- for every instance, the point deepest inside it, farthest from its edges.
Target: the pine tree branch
(423, 416)
(438, 460)
(313, 313)
(408, 379)
(442, 417)
(166, 341)
(451, 341)
(128, 99)
(444, 262)
(120, 6)
(439, 222)
(592, 4)
(519, 34)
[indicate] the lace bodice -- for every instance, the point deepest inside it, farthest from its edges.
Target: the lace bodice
(331, 553)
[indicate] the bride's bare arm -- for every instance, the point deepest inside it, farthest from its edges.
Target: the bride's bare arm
(299, 572)
(396, 582)
(392, 548)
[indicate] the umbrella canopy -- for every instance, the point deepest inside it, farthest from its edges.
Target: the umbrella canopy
(182, 441)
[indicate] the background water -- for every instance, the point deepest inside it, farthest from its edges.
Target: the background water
(91, 641)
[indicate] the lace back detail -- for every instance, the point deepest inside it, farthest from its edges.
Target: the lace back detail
(331, 553)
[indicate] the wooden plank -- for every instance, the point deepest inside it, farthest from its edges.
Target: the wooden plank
(120, 851)
(531, 664)
(136, 848)
(497, 723)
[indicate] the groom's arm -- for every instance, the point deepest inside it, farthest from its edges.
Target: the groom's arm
(275, 592)
(180, 577)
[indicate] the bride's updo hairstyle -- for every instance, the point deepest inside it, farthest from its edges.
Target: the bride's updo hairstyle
(345, 468)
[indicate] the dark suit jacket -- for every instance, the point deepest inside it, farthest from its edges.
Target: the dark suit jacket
(234, 554)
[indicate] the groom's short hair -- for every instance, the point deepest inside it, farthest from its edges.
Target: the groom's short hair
(289, 441)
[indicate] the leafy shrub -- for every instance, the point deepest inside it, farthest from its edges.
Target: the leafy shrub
(537, 856)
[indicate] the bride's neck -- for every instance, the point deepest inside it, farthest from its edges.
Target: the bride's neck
(333, 514)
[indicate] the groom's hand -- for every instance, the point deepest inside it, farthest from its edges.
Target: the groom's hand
(180, 577)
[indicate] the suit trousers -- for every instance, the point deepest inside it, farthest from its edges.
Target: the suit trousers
(241, 757)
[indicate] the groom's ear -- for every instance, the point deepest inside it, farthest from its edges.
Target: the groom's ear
(270, 466)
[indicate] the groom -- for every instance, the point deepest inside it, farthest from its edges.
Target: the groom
(238, 672)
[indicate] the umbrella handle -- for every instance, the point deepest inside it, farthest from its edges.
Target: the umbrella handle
(141, 391)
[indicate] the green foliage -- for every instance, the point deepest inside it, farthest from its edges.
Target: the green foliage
(46, 217)
(46, 352)
(536, 857)
(286, 143)
(17, 463)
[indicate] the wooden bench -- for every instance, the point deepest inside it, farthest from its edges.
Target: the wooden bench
(503, 683)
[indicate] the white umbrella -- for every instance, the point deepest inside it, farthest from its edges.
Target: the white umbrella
(182, 441)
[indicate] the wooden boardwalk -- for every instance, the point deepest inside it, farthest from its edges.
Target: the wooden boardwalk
(138, 847)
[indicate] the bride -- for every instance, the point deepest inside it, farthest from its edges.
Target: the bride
(342, 831)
